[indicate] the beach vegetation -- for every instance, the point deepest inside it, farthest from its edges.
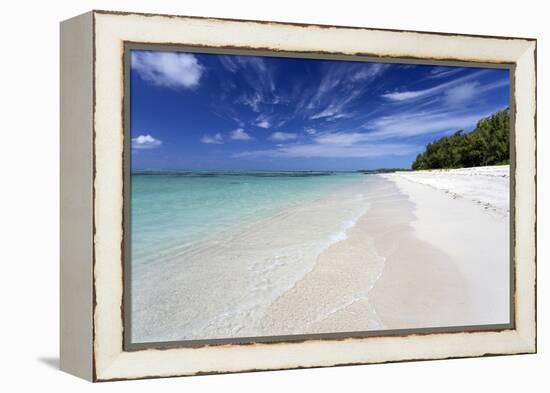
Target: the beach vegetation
(487, 144)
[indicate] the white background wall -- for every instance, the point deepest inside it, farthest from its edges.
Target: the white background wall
(29, 195)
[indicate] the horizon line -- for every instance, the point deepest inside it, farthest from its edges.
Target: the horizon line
(259, 170)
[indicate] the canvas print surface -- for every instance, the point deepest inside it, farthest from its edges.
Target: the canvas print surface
(283, 196)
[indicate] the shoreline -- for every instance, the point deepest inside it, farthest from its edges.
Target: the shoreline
(386, 277)
(220, 287)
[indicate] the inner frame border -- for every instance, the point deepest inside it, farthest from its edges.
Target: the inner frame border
(128, 345)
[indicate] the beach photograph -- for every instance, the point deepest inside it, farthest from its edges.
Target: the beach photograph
(279, 196)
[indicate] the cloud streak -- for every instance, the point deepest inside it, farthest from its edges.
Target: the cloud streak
(461, 93)
(216, 139)
(444, 72)
(410, 95)
(466, 92)
(240, 135)
(339, 88)
(282, 136)
(410, 124)
(257, 75)
(263, 121)
(316, 150)
(346, 144)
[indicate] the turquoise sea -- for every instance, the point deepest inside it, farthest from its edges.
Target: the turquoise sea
(172, 209)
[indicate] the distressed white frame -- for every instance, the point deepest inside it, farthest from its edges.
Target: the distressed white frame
(108, 360)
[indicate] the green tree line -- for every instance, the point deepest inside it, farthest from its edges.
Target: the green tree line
(487, 144)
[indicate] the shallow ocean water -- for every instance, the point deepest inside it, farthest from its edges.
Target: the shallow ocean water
(212, 252)
(172, 209)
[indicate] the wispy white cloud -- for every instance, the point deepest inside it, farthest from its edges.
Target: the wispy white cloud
(240, 135)
(263, 124)
(259, 78)
(252, 100)
(495, 85)
(443, 72)
(168, 69)
(338, 89)
(316, 150)
(332, 112)
(341, 144)
(228, 63)
(145, 142)
(216, 139)
(337, 108)
(262, 73)
(342, 138)
(409, 95)
(239, 122)
(282, 136)
(465, 92)
(369, 73)
(229, 113)
(419, 123)
(263, 121)
(329, 82)
(461, 93)
(310, 131)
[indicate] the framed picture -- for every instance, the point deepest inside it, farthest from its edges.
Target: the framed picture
(245, 195)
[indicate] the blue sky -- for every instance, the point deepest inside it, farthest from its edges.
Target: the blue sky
(225, 112)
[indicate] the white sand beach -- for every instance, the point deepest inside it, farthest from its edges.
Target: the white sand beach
(394, 251)
(487, 186)
(463, 213)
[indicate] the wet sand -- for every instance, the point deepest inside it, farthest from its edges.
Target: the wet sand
(382, 277)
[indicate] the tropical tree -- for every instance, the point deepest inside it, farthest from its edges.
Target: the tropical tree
(487, 144)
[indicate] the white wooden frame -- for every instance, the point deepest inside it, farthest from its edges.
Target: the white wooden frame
(92, 148)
